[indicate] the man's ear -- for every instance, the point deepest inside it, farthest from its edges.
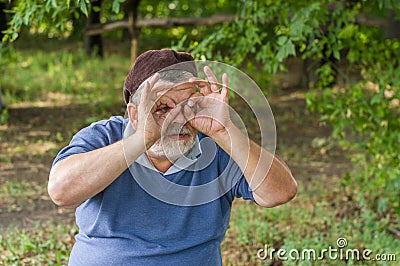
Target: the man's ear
(133, 114)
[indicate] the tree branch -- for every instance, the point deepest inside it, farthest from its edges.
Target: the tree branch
(95, 29)
(371, 21)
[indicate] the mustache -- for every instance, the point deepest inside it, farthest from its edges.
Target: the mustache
(177, 129)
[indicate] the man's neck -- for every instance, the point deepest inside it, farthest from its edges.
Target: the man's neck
(161, 164)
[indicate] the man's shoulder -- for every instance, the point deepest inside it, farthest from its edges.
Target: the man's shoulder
(113, 121)
(111, 128)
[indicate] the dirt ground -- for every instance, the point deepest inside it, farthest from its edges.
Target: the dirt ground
(28, 145)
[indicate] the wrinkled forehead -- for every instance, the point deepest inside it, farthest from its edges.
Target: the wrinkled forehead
(179, 90)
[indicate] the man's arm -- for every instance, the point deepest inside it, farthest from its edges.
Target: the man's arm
(269, 178)
(81, 176)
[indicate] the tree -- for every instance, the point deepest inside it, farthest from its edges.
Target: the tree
(57, 16)
(94, 43)
(365, 114)
(3, 19)
(3, 27)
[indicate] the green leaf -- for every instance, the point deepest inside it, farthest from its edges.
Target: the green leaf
(281, 54)
(290, 48)
(83, 7)
(348, 31)
(282, 40)
(336, 54)
(376, 99)
(96, 9)
(116, 6)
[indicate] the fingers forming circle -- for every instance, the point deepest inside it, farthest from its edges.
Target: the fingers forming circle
(214, 87)
(185, 194)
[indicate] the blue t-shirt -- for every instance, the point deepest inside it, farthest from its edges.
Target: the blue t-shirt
(128, 223)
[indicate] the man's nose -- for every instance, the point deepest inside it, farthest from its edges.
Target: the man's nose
(180, 118)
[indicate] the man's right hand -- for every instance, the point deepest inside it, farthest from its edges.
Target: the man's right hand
(146, 126)
(81, 176)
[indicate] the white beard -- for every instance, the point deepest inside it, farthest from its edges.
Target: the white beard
(173, 149)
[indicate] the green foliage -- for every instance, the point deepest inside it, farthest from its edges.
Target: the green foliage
(45, 244)
(4, 117)
(54, 17)
(26, 13)
(116, 5)
(20, 195)
(6, 55)
(66, 74)
(268, 31)
(311, 221)
(365, 120)
(185, 8)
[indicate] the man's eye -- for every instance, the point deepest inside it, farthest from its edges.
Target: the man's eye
(164, 109)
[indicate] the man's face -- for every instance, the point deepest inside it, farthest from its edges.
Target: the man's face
(178, 136)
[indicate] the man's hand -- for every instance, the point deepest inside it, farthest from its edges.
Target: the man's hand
(269, 178)
(146, 126)
(208, 111)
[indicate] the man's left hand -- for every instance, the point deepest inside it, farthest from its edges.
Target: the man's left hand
(208, 111)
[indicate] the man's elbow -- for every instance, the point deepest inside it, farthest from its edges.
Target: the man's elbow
(58, 193)
(279, 197)
(291, 192)
(288, 194)
(59, 198)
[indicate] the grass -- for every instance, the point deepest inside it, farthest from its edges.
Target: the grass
(311, 221)
(45, 244)
(19, 195)
(62, 75)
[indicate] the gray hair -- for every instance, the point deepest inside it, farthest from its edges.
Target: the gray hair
(173, 76)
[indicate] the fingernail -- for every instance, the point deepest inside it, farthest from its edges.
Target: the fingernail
(190, 103)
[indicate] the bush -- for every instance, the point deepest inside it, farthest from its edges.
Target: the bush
(364, 115)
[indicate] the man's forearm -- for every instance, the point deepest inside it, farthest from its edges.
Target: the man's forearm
(81, 176)
(269, 178)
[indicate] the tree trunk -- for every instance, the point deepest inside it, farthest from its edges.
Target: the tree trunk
(134, 31)
(94, 43)
(78, 31)
(126, 36)
(3, 19)
(393, 26)
(3, 27)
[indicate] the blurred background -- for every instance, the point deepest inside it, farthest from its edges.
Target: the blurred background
(329, 69)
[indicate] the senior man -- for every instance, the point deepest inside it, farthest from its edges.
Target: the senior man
(144, 187)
